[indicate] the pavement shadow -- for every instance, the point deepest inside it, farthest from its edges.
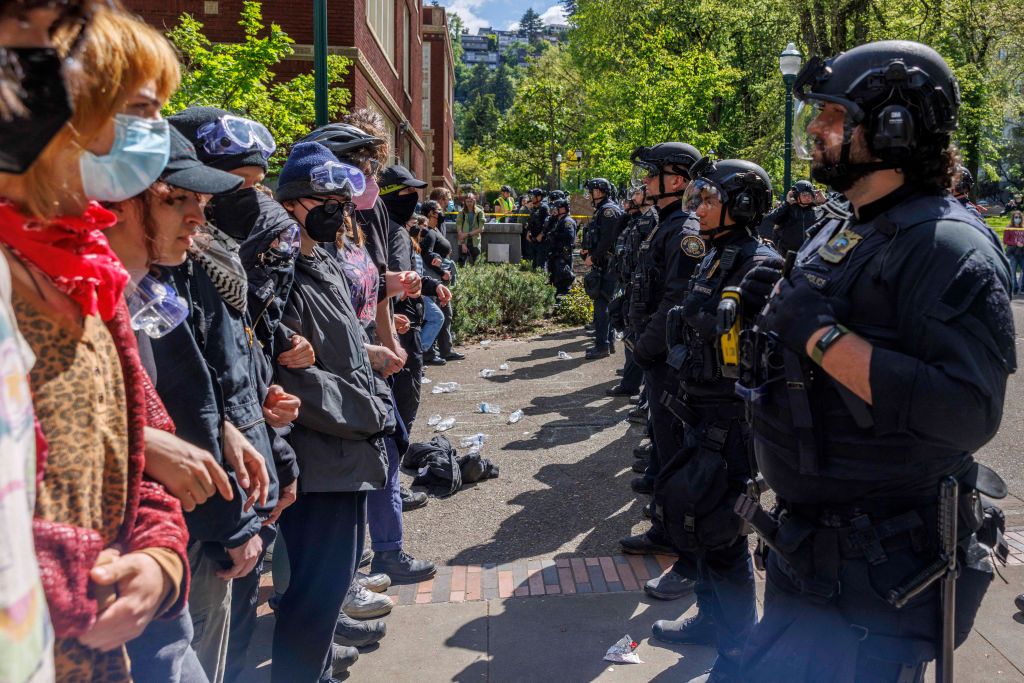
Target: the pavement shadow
(547, 638)
(579, 421)
(587, 502)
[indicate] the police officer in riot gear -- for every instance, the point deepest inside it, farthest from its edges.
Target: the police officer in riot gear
(598, 240)
(640, 219)
(698, 485)
(963, 184)
(561, 239)
(662, 274)
(872, 375)
(791, 220)
(535, 227)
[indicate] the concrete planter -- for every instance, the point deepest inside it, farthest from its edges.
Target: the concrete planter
(494, 233)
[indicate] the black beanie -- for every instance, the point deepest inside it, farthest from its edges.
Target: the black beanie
(190, 120)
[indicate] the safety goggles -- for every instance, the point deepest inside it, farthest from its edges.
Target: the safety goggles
(335, 176)
(234, 135)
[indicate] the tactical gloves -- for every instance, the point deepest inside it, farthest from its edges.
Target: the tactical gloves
(758, 283)
(797, 311)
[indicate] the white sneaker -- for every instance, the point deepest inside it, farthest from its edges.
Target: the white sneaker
(377, 583)
(361, 603)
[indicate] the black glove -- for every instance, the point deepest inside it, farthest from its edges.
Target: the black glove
(796, 312)
(675, 321)
(757, 284)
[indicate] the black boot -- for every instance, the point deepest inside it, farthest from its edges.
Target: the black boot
(646, 544)
(355, 633)
(670, 586)
(412, 500)
(695, 630)
(401, 567)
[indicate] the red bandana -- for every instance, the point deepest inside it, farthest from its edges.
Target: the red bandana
(73, 252)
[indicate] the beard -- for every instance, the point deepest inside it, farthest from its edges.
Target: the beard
(826, 167)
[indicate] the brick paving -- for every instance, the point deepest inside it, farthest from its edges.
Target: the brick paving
(564, 576)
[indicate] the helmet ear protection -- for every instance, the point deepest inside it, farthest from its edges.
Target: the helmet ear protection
(892, 133)
(744, 206)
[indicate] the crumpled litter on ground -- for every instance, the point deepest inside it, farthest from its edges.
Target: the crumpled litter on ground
(624, 651)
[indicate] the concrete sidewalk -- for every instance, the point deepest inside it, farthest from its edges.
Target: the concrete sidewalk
(564, 637)
(530, 584)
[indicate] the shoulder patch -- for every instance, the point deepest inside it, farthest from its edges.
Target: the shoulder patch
(693, 246)
(609, 212)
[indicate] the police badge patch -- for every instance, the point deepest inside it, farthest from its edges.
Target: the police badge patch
(609, 212)
(836, 249)
(693, 246)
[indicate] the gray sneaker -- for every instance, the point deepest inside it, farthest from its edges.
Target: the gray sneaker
(669, 586)
(377, 583)
(361, 603)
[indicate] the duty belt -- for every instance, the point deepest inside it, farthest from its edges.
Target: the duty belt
(694, 413)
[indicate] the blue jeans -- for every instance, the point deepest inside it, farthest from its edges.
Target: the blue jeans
(164, 652)
(1017, 262)
(433, 320)
(384, 506)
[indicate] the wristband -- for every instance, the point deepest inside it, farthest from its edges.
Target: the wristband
(834, 334)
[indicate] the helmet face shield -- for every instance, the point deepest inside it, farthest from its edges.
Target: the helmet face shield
(828, 121)
(641, 172)
(703, 191)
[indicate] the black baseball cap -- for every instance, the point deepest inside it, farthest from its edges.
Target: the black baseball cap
(395, 178)
(184, 170)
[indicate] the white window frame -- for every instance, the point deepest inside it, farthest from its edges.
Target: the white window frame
(382, 12)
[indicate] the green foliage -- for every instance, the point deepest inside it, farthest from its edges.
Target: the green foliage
(239, 77)
(479, 120)
(531, 26)
(475, 166)
(575, 308)
(499, 298)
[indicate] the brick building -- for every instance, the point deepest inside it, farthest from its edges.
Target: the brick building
(382, 38)
(438, 124)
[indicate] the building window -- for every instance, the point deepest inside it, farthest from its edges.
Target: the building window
(426, 85)
(389, 126)
(406, 47)
(380, 15)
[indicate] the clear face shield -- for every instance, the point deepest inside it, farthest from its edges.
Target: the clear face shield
(702, 191)
(641, 172)
(817, 126)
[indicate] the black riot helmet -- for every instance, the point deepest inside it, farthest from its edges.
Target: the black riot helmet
(560, 203)
(902, 92)
(536, 192)
(555, 195)
(964, 182)
(803, 187)
(506, 188)
(742, 187)
(666, 157)
(342, 139)
(600, 184)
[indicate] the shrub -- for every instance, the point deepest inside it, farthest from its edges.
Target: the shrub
(575, 308)
(499, 298)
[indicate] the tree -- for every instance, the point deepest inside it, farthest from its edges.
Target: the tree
(475, 166)
(531, 26)
(480, 121)
(503, 87)
(238, 77)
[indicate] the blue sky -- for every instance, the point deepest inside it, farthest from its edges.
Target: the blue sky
(502, 14)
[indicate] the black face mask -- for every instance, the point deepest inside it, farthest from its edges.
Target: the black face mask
(235, 213)
(45, 99)
(415, 232)
(401, 206)
(322, 226)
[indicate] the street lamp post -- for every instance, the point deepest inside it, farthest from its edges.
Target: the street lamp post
(320, 61)
(558, 166)
(789, 65)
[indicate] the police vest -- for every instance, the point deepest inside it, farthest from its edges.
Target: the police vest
(802, 417)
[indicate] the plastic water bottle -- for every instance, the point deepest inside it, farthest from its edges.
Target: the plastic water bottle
(485, 342)
(475, 441)
(503, 367)
(433, 420)
(490, 408)
(562, 355)
(445, 424)
(426, 380)
(515, 417)
(487, 372)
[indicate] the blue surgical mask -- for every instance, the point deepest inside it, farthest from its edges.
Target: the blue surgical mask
(135, 161)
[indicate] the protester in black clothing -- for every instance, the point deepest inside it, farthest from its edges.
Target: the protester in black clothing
(436, 251)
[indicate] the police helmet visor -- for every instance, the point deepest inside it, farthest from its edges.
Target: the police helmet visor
(641, 172)
(818, 125)
(703, 191)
